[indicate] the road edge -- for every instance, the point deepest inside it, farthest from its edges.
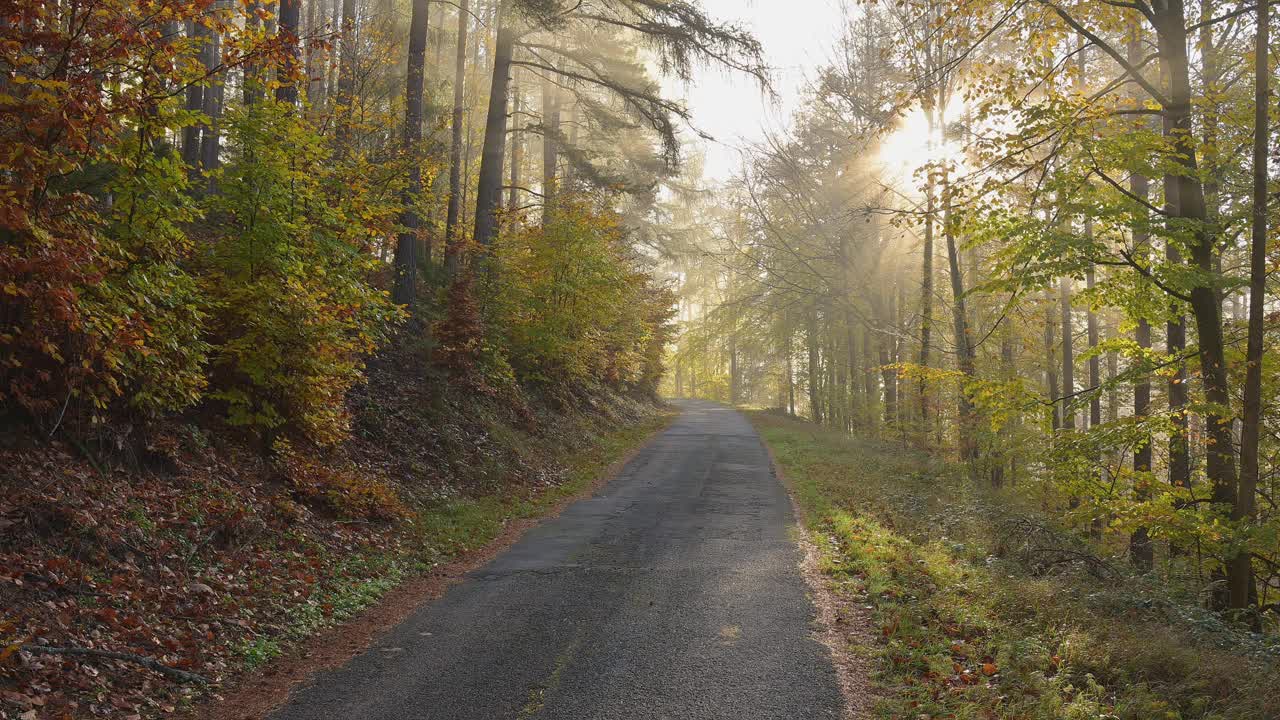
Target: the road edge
(255, 696)
(839, 622)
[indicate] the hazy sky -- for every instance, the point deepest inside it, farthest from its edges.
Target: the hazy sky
(797, 37)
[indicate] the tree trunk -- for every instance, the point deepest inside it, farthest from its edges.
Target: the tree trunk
(964, 348)
(194, 103)
(334, 56)
(1050, 358)
(493, 152)
(346, 73)
(550, 148)
(1240, 572)
(251, 90)
(811, 337)
(734, 389)
(870, 378)
(315, 55)
(406, 258)
(926, 299)
(1095, 362)
(451, 240)
(214, 93)
(791, 384)
(1068, 355)
(1176, 343)
(517, 137)
(1171, 33)
(288, 31)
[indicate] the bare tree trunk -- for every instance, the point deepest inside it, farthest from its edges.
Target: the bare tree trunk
(334, 55)
(1113, 371)
(194, 103)
(406, 258)
(1095, 362)
(346, 73)
(493, 152)
(315, 55)
(288, 31)
(1175, 343)
(1002, 460)
(1240, 572)
(550, 148)
(1050, 358)
(451, 240)
(870, 377)
(517, 137)
(964, 347)
(791, 384)
(1140, 548)
(214, 92)
(1171, 33)
(1068, 355)
(926, 300)
(811, 338)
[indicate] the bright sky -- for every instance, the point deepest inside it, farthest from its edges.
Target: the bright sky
(797, 37)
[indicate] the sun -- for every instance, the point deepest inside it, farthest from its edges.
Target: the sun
(911, 146)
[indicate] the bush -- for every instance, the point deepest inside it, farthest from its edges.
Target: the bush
(576, 302)
(293, 311)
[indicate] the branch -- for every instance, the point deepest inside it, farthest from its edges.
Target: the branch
(175, 673)
(1138, 77)
(1220, 18)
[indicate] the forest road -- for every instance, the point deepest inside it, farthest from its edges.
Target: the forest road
(674, 593)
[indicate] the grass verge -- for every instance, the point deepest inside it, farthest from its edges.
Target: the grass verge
(981, 608)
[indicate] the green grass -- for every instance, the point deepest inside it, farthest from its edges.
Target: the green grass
(975, 613)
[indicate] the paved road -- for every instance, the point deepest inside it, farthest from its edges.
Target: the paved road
(673, 594)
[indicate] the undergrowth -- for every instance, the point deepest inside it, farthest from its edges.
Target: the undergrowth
(983, 608)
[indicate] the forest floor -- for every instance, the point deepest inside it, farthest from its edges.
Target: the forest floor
(220, 565)
(967, 603)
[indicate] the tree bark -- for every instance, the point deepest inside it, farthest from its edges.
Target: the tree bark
(1240, 572)
(194, 103)
(346, 73)
(1050, 358)
(964, 347)
(214, 92)
(811, 337)
(1068, 355)
(1095, 362)
(406, 257)
(288, 31)
(926, 298)
(517, 137)
(493, 151)
(451, 240)
(1171, 32)
(550, 148)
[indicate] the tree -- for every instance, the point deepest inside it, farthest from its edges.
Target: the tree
(289, 29)
(452, 250)
(678, 31)
(1241, 565)
(406, 256)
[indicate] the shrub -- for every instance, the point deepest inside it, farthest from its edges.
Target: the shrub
(293, 311)
(577, 302)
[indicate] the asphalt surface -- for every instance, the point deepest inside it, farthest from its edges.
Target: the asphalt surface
(674, 593)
